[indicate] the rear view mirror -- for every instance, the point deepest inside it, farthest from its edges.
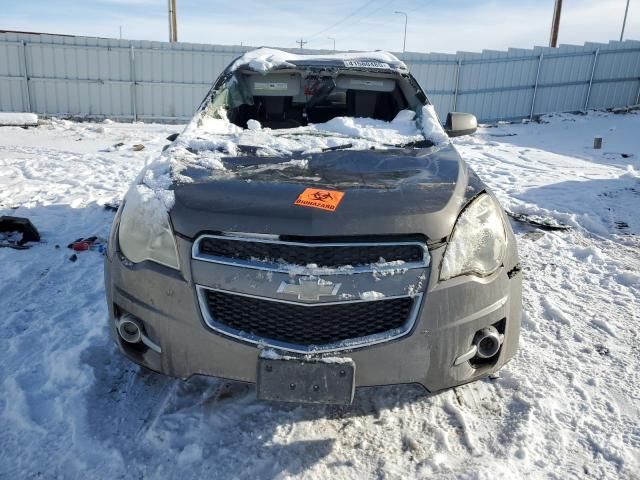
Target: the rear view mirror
(459, 124)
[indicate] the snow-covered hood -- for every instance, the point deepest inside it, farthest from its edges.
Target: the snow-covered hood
(208, 181)
(386, 192)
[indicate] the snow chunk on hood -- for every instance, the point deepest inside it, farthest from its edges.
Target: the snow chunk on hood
(217, 126)
(151, 195)
(265, 59)
(400, 130)
(151, 206)
(431, 128)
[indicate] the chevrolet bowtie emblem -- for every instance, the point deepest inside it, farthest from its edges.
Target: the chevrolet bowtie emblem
(310, 288)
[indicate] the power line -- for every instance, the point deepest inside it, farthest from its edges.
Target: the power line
(372, 13)
(344, 19)
(417, 7)
(366, 16)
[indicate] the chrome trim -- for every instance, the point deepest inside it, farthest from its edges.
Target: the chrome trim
(348, 344)
(150, 343)
(466, 356)
(252, 236)
(302, 269)
(301, 304)
(299, 290)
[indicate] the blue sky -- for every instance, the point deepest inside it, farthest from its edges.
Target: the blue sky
(434, 26)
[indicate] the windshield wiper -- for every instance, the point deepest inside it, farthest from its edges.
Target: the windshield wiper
(276, 133)
(344, 146)
(424, 143)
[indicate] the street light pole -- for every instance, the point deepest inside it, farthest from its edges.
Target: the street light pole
(624, 22)
(406, 19)
(334, 43)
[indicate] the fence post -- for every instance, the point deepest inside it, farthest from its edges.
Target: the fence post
(27, 95)
(535, 86)
(134, 102)
(593, 70)
(455, 92)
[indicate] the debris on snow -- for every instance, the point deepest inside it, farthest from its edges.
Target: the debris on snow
(93, 243)
(544, 223)
(16, 232)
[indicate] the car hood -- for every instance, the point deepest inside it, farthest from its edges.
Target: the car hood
(386, 192)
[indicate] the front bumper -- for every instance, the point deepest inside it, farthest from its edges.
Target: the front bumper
(450, 315)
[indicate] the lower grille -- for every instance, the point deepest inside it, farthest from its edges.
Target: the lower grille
(319, 325)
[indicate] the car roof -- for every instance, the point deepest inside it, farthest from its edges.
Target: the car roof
(269, 59)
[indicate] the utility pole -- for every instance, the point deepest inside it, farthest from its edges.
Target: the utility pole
(624, 22)
(302, 43)
(334, 43)
(173, 23)
(555, 25)
(120, 32)
(406, 19)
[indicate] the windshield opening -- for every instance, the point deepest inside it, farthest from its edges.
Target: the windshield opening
(293, 112)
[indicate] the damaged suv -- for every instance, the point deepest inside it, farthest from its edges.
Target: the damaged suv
(313, 230)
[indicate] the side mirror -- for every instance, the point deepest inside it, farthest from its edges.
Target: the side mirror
(459, 124)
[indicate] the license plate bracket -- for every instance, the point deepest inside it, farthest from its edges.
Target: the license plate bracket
(306, 381)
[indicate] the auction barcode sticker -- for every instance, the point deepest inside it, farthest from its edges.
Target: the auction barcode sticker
(365, 64)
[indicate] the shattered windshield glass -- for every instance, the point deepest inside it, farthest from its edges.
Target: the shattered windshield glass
(284, 114)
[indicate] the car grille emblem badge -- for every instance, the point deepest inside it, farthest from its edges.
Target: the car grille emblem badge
(310, 288)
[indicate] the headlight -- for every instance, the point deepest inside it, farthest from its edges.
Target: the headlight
(478, 242)
(145, 232)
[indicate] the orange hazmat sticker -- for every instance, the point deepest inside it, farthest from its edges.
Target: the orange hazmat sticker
(322, 199)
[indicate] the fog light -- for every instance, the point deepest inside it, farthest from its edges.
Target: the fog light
(486, 344)
(131, 330)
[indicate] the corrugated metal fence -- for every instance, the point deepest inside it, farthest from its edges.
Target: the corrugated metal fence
(122, 79)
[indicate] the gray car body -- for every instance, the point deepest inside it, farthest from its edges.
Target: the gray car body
(418, 192)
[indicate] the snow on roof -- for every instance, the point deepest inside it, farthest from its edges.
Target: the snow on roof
(18, 119)
(265, 59)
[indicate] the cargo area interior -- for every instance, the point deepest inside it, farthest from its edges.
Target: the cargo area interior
(287, 100)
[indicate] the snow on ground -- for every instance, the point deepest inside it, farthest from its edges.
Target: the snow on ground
(568, 405)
